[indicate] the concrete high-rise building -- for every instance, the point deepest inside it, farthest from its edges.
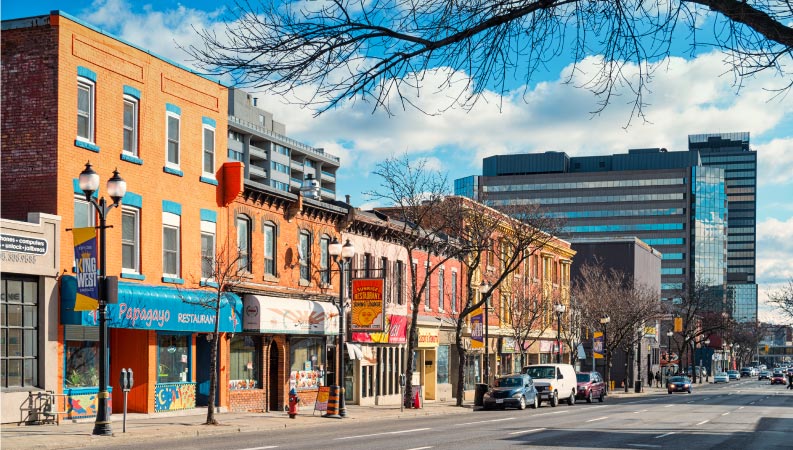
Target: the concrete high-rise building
(271, 158)
(670, 200)
(731, 152)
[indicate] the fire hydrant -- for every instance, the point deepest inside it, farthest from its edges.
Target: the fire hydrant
(293, 402)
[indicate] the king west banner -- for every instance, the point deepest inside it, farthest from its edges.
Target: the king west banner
(86, 269)
(477, 329)
(368, 308)
(597, 344)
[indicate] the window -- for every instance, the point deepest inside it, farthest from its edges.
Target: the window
(84, 214)
(171, 224)
(245, 360)
(130, 125)
(399, 282)
(427, 289)
(269, 248)
(82, 361)
(209, 151)
(440, 290)
(173, 358)
(304, 252)
(443, 364)
(130, 239)
(386, 291)
(207, 250)
(244, 243)
(307, 357)
(85, 109)
(324, 261)
(367, 265)
(172, 150)
(453, 299)
(19, 306)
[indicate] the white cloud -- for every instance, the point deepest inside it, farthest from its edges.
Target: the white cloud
(776, 161)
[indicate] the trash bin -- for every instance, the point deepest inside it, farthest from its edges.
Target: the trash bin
(638, 386)
(479, 394)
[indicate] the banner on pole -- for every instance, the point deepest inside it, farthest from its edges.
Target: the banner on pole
(477, 329)
(597, 344)
(86, 269)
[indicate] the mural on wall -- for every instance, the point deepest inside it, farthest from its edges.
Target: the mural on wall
(81, 403)
(174, 396)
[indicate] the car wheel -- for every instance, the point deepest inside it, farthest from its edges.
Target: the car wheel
(571, 399)
(602, 396)
(689, 391)
(522, 403)
(536, 403)
(590, 398)
(669, 392)
(554, 400)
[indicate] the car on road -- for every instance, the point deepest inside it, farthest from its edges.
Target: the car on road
(516, 390)
(778, 378)
(590, 387)
(721, 377)
(734, 374)
(747, 372)
(554, 382)
(678, 384)
(764, 375)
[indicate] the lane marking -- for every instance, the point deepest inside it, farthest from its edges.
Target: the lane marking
(528, 431)
(640, 411)
(549, 413)
(668, 406)
(666, 434)
(486, 421)
(596, 419)
(704, 422)
(645, 445)
(259, 448)
(742, 407)
(381, 434)
(725, 413)
(690, 401)
(419, 448)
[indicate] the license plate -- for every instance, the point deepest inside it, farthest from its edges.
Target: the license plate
(499, 400)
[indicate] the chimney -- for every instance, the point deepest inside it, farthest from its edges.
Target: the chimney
(347, 199)
(310, 188)
(255, 101)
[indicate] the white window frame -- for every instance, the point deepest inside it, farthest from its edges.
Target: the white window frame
(91, 86)
(91, 211)
(208, 228)
(134, 129)
(211, 172)
(271, 254)
(427, 288)
(441, 280)
(248, 250)
(453, 293)
(170, 114)
(172, 221)
(136, 240)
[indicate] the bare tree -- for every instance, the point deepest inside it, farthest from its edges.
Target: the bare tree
(221, 273)
(379, 50)
(529, 307)
(782, 298)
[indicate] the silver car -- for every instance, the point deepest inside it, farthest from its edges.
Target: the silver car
(721, 377)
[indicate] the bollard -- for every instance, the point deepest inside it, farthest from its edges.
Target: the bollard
(333, 403)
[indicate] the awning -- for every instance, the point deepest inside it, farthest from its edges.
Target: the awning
(354, 351)
(265, 314)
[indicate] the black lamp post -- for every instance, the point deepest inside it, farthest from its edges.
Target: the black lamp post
(668, 351)
(605, 322)
(116, 188)
(341, 256)
(484, 288)
(706, 344)
(559, 308)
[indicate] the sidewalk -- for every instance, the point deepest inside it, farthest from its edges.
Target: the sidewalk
(149, 427)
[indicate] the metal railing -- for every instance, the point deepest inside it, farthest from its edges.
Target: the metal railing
(280, 137)
(42, 407)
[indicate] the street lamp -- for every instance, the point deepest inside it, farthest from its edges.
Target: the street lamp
(484, 288)
(669, 335)
(707, 371)
(605, 322)
(341, 256)
(559, 308)
(116, 188)
(737, 356)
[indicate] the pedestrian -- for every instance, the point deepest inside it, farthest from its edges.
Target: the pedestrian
(658, 378)
(790, 380)
(650, 378)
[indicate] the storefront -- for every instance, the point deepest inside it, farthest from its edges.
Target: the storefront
(426, 360)
(508, 356)
(162, 333)
(293, 337)
(379, 360)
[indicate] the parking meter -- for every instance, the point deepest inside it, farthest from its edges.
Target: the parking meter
(126, 381)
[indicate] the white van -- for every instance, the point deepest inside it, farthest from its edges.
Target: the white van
(553, 382)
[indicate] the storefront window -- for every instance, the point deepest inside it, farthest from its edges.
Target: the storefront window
(443, 364)
(245, 370)
(471, 371)
(306, 357)
(81, 364)
(173, 358)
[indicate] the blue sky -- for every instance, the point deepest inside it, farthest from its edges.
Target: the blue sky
(689, 95)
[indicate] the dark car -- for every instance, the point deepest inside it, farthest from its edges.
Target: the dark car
(590, 387)
(679, 384)
(516, 390)
(778, 378)
(746, 372)
(764, 375)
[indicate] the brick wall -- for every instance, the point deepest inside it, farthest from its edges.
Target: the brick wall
(29, 121)
(248, 400)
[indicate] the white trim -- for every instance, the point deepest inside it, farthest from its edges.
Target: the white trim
(136, 240)
(134, 151)
(208, 227)
(172, 221)
(211, 173)
(170, 164)
(91, 86)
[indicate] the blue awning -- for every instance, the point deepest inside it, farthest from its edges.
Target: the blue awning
(164, 308)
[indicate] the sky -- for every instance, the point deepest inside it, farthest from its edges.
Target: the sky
(689, 95)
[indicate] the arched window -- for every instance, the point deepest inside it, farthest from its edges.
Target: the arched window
(244, 242)
(324, 259)
(304, 253)
(269, 231)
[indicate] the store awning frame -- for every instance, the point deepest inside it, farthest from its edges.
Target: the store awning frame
(279, 315)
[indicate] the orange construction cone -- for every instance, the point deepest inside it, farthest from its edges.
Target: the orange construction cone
(417, 399)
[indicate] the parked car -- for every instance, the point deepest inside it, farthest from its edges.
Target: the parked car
(721, 377)
(778, 378)
(590, 387)
(679, 384)
(764, 375)
(554, 382)
(734, 374)
(746, 372)
(516, 390)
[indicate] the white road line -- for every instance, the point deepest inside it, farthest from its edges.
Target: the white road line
(704, 422)
(260, 448)
(596, 419)
(486, 421)
(665, 435)
(381, 434)
(419, 448)
(640, 411)
(742, 407)
(528, 431)
(668, 406)
(596, 407)
(645, 445)
(725, 413)
(546, 414)
(690, 401)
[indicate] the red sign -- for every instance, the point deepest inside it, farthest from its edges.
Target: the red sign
(397, 332)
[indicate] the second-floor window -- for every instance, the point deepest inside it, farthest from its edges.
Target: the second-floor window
(304, 253)
(244, 243)
(269, 249)
(172, 144)
(324, 259)
(130, 144)
(130, 240)
(170, 245)
(386, 290)
(453, 293)
(209, 151)
(85, 109)
(207, 250)
(440, 290)
(399, 282)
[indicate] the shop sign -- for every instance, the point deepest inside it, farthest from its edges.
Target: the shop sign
(509, 345)
(428, 337)
(546, 346)
(397, 332)
(367, 305)
(649, 332)
(264, 314)
(477, 329)
(86, 269)
(24, 244)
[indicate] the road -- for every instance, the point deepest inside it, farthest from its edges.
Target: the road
(740, 415)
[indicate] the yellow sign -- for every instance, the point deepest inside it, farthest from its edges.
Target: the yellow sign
(678, 324)
(649, 331)
(368, 307)
(428, 337)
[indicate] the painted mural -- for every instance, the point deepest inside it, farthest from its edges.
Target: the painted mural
(174, 396)
(81, 402)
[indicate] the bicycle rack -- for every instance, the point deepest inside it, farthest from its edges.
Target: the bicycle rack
(42, 408)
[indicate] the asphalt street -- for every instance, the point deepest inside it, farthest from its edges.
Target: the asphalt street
(745, 414)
